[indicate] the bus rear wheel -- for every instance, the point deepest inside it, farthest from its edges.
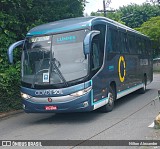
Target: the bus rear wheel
(144, 82)
(111, 98)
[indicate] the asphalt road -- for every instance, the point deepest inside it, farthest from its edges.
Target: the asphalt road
(128, 121)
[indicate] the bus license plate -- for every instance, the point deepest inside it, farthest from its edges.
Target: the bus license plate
(48, 108)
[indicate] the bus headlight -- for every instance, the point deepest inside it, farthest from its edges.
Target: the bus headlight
(25, 96)
(82, 92)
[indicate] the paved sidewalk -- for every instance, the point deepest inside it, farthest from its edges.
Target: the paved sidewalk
(10, 113)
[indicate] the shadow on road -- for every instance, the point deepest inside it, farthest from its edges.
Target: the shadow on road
(61, 118)
(130, 97)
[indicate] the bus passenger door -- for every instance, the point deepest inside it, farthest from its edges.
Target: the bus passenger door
(96, 61)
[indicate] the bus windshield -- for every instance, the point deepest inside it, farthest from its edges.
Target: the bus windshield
(54, 59)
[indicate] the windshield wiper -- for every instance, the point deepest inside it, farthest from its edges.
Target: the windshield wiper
(35, 76)
(39, 67)
(53, 61)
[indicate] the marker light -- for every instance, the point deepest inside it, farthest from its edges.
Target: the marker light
(82, 92)
(25, 96)
(85, 104)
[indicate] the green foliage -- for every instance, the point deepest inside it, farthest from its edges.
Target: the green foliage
(25, 14)
(116, 16)
(154, 1)
(10, 88)
(16, 18)
(135, 15)
(151, 28)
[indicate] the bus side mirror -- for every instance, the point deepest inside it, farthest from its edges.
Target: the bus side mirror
(11, 48)
(87, 41)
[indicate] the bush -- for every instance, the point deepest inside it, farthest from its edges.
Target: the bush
(10, 89)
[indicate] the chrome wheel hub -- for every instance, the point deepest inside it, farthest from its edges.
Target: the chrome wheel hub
(110, 99)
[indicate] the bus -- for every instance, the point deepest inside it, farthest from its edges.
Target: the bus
(82, 64)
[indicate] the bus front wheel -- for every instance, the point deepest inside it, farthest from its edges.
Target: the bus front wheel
(111, 98)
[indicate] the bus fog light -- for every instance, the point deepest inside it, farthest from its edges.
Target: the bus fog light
(85, 104)
(25, 96)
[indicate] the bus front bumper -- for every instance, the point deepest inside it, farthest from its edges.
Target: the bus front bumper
(79, 104)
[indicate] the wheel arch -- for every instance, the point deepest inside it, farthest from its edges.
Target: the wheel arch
(114, 86)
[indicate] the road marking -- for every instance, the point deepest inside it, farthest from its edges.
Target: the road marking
(151, 125)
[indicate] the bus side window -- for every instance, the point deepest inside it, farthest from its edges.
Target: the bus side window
(146, 46)
(123, 42)
(101, 37)
(149, 47)
(143, 46)
(112, 41)
(97, 52)
(95, 55)
(109, 43)
(131, 44)
(138, 44)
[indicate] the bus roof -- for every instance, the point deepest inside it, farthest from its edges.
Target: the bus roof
(74, 24)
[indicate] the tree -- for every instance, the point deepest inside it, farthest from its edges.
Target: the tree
(151, 28)
(133, 15)
(29, 13)
(153, 1)
(140, 14)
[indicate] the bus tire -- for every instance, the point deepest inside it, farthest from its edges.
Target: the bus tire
(144, 82)
(111, 99)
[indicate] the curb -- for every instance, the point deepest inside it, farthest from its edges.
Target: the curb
(11, 113)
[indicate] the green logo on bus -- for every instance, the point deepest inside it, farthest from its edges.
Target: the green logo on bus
(66, 39)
